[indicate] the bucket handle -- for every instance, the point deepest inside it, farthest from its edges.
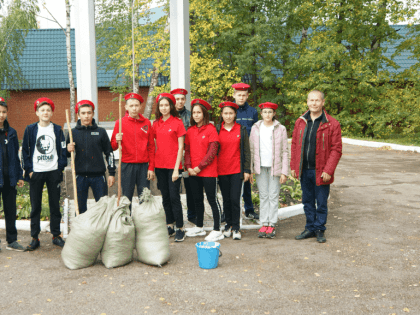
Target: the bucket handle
(220, 253)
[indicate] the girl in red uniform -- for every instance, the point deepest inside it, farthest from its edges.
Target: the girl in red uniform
(201, 145)
(233, 166)
(169, 133)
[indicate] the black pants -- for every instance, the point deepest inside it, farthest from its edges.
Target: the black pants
(9, 207)
(191, 214)
(98, 185)
(210, 186)
(231, 187)
(36, 185)
(171, 199)
(133, 174)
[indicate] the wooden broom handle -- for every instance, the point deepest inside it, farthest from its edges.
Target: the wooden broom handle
(73, 170)
(120, 154)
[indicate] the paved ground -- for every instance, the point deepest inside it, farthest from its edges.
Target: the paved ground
(369, 265)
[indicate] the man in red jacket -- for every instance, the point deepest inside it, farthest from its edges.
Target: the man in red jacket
(316, 150)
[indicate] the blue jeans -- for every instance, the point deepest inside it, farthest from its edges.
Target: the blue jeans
(316, 217)
(99, 189)
(249, 206)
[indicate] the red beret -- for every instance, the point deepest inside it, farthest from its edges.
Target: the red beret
(202, 102)
(179, 91)
(135, 96)
(2, 99)
(230, 104)
(44, 100)
(241, 86)
(170, 96)
(268, 105)
(84, 102)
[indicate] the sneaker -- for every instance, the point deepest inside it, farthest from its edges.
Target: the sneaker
(320, 238)
(262, 232)
(252, 215)
(227, 232)
(179, 236)
(57, 240)
(236, 235)
(15, 246)
(270, 232)
(214, 236)
(305, 234)
(171, 231)
(196, 231)
(33, 245)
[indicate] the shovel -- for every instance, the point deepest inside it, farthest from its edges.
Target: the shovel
(73, 170)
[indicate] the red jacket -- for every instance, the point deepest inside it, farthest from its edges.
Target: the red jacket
(138, 144)
(328, 147)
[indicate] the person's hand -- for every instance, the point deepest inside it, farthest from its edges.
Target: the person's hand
(21, 183)
(283, 179)
(175, 175)
(111, 181)
(192, 172)
(118, 136)
(196, 170)
(293, 173)
(70, 147)
(251, 179)
(30, 174)
(325, 177)
(246, 177)
(150, 175)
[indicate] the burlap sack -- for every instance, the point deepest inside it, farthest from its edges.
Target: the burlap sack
(152, 241)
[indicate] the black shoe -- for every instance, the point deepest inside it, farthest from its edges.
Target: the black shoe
(57, 240)
(252, 215)
(223, 218)
(171, 231)
(305, 234)
(33, 245)
(320, 238)
(180, 235)
(15, 246)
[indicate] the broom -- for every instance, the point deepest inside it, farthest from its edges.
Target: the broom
(73, 170)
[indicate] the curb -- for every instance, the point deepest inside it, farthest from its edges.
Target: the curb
(25, 225)
(374, 144)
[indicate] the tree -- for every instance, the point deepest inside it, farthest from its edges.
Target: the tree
(69, 64)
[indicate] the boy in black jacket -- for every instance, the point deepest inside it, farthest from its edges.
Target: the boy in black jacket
(10, 175)
(44, 159)
(90, 144)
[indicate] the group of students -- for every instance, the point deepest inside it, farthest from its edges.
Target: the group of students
(226, 154)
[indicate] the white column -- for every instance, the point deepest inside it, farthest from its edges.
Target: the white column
(87, 84)
(180, 46)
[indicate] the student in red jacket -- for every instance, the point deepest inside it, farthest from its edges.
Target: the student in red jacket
(201, 146)
(316, 151)
(169, 132)
(138, 147)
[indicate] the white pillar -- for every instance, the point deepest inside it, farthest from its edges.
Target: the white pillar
(180, 46)
(87, 84)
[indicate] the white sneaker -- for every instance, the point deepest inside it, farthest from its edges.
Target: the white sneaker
(195, 231)
(227, 233)
(236, 235)
(214, 236)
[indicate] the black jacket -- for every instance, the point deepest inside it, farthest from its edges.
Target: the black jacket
(92, 142)
(245, 151)
(15, 172)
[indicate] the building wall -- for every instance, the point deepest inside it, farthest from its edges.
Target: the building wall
(21, 106)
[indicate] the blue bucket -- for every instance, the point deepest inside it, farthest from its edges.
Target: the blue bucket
(208, 254)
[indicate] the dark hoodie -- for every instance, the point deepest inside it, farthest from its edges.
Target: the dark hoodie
(9, 156)
(92, 142)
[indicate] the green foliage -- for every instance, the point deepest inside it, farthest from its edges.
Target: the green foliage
(293, 187)
(110, 117)
(255, 198)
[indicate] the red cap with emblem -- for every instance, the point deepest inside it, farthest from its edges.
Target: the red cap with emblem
(202, 102)
(179, 91)
(135, 96)
(170, 96)
(241, 86)
(2, 99)
(228, 104)
(44, 100)
(84, 102)
(268, 105)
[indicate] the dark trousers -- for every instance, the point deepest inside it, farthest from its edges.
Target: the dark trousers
(171, 199)
(99, 189)
(191, 214)
(9, 207)
(231, 186)
(210, 186)
(36, 185)
(134, 174)
(316, 217)
(249, 207)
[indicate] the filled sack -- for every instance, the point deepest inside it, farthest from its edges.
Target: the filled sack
(120, 238)
(152, 241)
(87, 235)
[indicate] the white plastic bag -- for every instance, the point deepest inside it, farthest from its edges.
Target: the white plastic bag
(120, 238)
(152, 241)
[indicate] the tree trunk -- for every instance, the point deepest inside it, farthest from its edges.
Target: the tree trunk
(69, 64)
(150, 99)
